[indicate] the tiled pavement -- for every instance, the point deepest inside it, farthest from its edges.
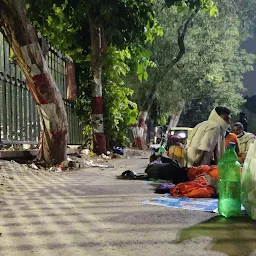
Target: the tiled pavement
(89, 212)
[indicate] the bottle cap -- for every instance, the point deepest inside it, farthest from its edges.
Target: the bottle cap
(231, 144)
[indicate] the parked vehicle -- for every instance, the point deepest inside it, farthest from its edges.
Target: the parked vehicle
(161, 142)
(182, 132)
(177, 140)
(166, 137)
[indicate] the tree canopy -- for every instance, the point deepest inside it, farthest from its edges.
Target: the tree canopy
(150, 35)
(210, 70)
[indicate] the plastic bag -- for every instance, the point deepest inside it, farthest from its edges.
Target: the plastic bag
(248, 182)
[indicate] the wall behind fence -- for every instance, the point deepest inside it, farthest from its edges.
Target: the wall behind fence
(19, 121)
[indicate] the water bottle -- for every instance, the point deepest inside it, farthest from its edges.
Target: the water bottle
(229, 203)
(161, 150)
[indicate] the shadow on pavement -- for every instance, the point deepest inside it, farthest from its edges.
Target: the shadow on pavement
(234, 237)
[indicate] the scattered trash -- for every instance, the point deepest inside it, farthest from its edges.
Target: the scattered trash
(91, 154)
(99, 160)
(88, 163)
(52, 169)
(118, 150)
(55, 169)
(69, 159)
(67, 164)
(85, 151)
(13, 162)
(91, 164)
(77, 165)
(33, 166)
(105, 157)
(58, 169)
(108, 153)
(102, 166)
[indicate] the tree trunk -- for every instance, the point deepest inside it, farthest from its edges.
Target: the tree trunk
(145, 132)
(174, 120)
(98, 48)
(99, 138)
(155, 134)
(138, 129)
(24, 43)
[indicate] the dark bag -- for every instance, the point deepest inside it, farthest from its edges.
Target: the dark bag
(167, 169)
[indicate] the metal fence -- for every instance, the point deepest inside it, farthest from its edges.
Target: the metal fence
(19, 121)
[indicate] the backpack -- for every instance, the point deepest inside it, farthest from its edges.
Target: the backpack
(167, 169)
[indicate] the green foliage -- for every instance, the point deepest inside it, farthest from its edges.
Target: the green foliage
(83, 110)
(83, 103)
(66, 23)
(119, 112)
(212, 67)
(205, 5)
(127, 27)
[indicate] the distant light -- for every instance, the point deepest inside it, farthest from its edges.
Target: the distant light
(182, 135)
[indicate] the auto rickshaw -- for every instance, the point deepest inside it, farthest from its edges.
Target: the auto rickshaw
(177, 140)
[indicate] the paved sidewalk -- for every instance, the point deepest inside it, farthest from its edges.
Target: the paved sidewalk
(89, 212)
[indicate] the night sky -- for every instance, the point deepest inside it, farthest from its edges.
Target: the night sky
(250, 77)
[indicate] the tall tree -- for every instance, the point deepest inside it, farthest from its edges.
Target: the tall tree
(119, 23)
(211, 68)
(23, 40)
(167, 52)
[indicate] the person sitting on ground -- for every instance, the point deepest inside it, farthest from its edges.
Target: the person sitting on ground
(207, 138)
(176, 149)
(244, 140)
(231, 137)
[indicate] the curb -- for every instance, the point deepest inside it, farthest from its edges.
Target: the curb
(6, 154)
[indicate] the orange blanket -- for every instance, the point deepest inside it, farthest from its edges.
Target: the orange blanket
(194, 171)
(198, 188)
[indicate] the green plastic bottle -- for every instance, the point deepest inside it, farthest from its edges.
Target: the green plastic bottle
(161, 150)
(229, 203)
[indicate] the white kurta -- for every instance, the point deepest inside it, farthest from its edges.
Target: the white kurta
(245, 141)
(207, 136)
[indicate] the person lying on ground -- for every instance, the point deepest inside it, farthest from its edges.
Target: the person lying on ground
(208, 138)
(244, 140)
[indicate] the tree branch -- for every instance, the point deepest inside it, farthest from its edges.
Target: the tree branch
(152, 96)
(181, 37)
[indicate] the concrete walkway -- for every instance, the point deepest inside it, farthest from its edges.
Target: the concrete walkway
(89, 212)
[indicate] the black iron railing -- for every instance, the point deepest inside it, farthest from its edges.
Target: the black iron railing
(19, 121)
